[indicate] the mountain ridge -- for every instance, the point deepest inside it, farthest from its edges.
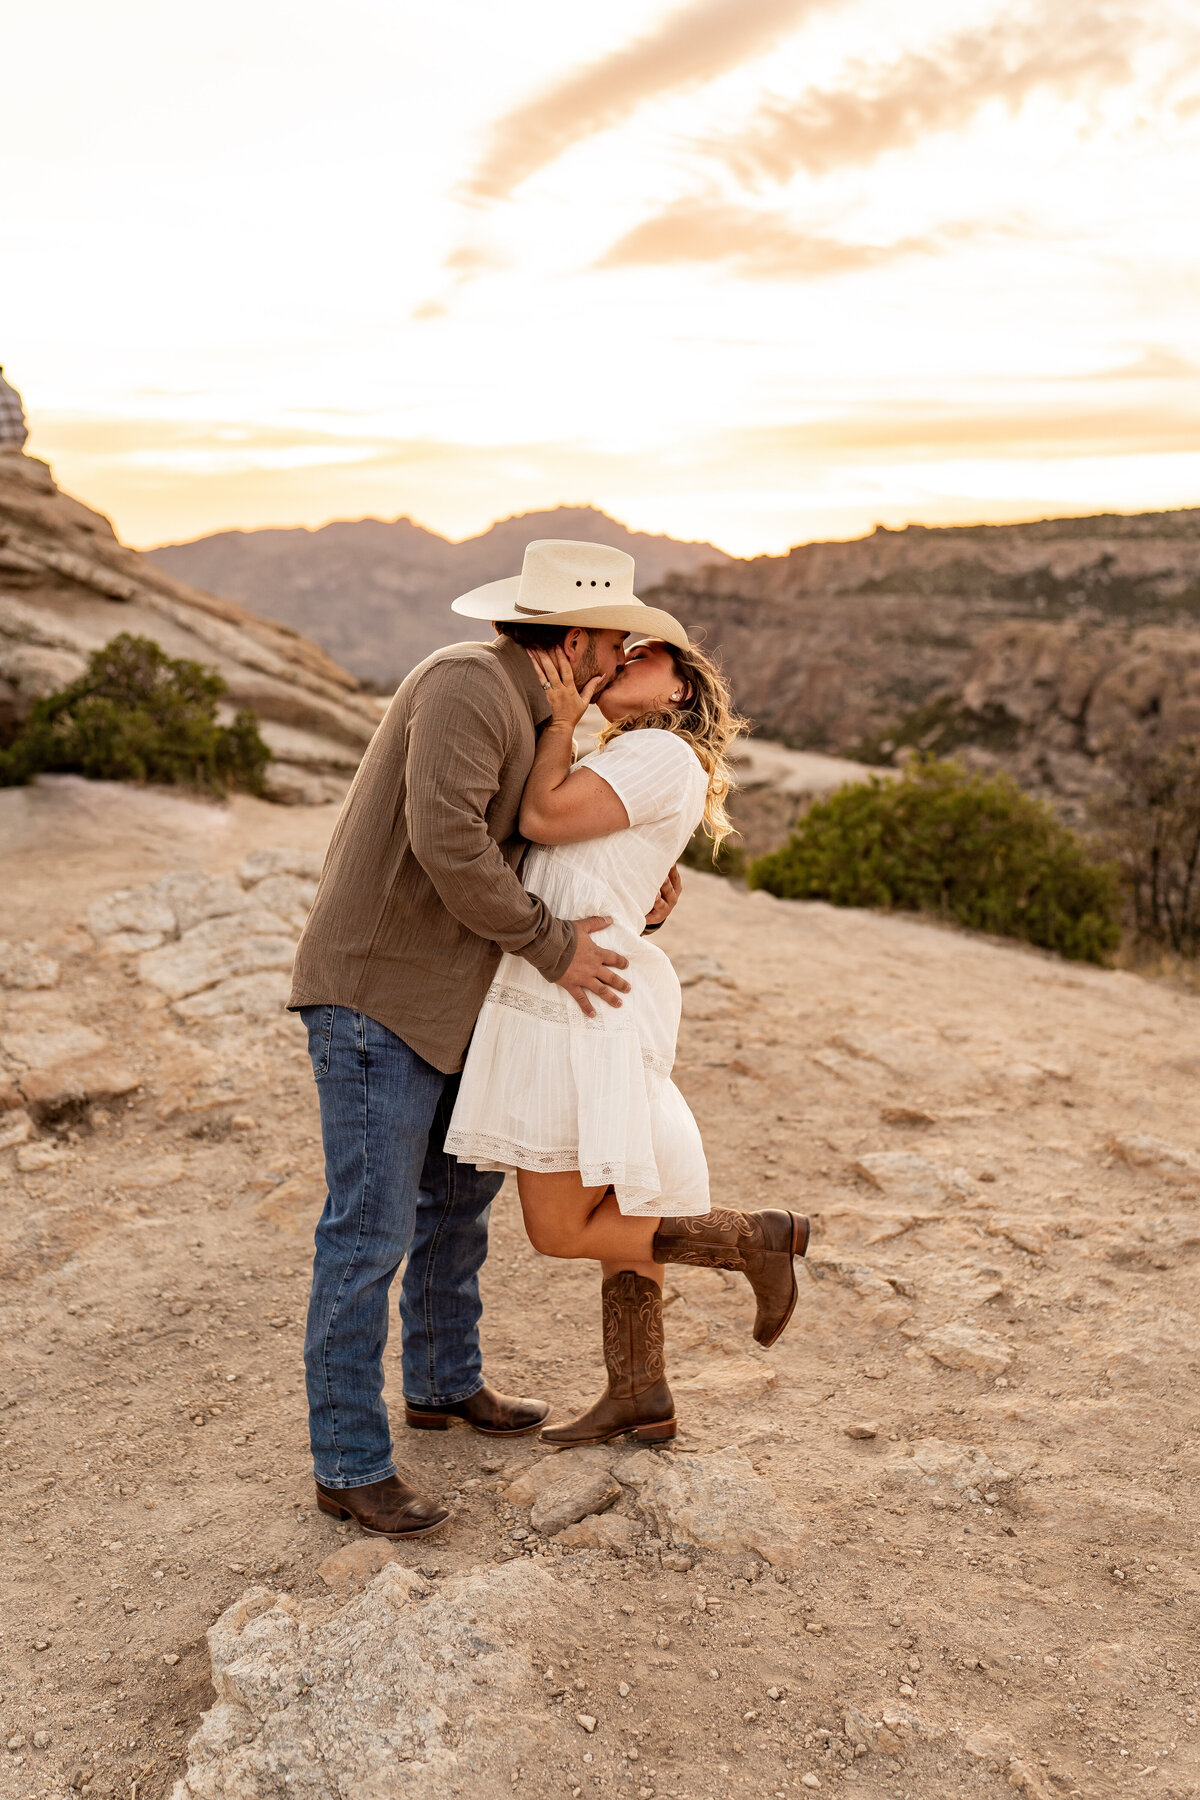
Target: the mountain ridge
(376, 592)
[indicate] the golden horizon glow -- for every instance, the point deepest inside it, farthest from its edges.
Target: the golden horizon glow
(748, 271)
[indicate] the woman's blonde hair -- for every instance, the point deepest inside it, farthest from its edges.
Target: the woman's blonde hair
(708, 722)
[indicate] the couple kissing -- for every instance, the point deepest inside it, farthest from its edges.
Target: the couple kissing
(483, 995)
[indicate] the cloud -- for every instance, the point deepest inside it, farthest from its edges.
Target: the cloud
(693, 45)
(1067, 48)
(760, 246)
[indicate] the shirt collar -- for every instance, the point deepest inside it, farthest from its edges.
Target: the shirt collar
(520, 670)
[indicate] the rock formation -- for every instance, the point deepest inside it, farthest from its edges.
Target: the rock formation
(1034, 646)
(67, 586)
(377, 592)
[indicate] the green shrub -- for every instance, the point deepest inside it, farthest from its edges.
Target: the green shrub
(139, 715)
(969, 847)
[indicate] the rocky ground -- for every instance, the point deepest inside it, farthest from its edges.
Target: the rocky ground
(939, 1542)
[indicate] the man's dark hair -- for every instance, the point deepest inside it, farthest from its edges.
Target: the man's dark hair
(534, 637)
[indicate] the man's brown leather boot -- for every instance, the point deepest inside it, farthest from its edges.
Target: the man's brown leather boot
(760, 1245)
(497, 1415)
(387, 1508)
(638, 1399)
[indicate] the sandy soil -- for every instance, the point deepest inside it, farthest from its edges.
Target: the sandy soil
(988, 1139)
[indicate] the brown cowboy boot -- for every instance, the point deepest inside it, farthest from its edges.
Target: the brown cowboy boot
(387, 1508)
(496, 1415)
(638, 1399)
(760, 1245)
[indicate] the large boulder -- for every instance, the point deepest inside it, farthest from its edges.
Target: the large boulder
(409, 1689)
(67, 586)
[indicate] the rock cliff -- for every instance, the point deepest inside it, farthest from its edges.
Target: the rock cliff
(67, 586)
(1040, 646)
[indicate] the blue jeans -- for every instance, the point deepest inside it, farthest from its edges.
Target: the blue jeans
(393, 1192)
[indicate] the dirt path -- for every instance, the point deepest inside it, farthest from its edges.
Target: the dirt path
(1000, 1151)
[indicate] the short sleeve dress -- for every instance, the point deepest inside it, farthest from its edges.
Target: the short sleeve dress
(547, 1089)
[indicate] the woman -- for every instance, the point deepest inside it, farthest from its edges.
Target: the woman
(584, 1108)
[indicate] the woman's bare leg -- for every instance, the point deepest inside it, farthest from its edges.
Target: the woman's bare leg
(564, 1218)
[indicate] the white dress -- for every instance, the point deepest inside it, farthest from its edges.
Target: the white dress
(547, 1089)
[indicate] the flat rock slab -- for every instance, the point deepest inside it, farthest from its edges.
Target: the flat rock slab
(48, 1093)
(615, 1532)
(526, 1484)
(260, 996)
(260, 864)
(217, 950)
(1168, 1161)
(565, 1502)
(407, 1689)
(730, 1378)
(902, 1174)
(961, 1466)
(40, 1046)
(287, 895)
(958, 1346)
(715, 1502)
(193, 896)
(141, 910)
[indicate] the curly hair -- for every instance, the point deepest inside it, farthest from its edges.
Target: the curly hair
(706, 719)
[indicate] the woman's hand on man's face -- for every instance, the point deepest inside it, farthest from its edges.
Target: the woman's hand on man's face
(567, 702)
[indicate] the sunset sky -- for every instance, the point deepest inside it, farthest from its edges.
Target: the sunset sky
(755, 271)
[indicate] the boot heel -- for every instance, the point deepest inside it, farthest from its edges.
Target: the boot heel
(800, 1231)
(659, 1433)
(423, 1421)
(332, 1508)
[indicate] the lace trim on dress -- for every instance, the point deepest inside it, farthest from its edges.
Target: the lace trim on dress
(520, 1001)
(469, 1146)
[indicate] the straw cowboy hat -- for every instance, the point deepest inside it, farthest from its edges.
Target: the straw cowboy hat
(563, 582)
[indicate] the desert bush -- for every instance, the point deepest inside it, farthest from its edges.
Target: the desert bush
(138, 714)
(726, 858)
(1150, 823)
(969, 847)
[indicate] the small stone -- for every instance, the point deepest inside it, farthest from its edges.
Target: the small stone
(586, 1720)
(22, 966)
(863, 1429)
(243, 1122)
(171, 1657)
(772, 1693)
(41, 1739)
(992, 1499)
(41, 1643)
(623, 1689)
(17, 1741)
(810, 1781)
(601, 1531)
(676, 1562)
(814, 1629)
(519, 1535)
(32, 1158)
(357, 1560)
(16, 1128)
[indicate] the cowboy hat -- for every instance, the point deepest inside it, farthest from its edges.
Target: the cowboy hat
(563, 582)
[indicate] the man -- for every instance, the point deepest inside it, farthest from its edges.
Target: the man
(418, 898)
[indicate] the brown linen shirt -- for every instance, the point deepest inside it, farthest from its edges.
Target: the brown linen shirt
(419, 894)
